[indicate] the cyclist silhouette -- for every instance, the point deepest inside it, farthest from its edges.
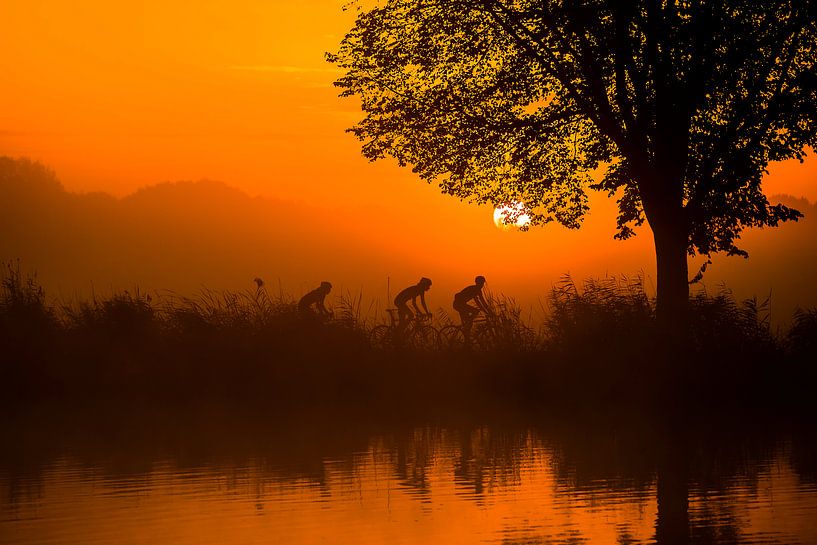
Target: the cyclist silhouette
(312, 303)
(471, 293)
(404, 313)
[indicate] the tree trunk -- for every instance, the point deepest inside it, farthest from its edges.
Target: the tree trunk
(672, 299)
(662, 199)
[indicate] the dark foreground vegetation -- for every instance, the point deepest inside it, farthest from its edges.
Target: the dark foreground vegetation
(598, 346)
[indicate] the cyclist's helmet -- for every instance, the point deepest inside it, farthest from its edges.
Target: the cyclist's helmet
(425, 282)
(479, 280)
(326, 285)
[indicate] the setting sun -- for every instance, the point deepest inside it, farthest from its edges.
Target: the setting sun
(510, 215)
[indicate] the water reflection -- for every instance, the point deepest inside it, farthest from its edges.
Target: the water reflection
(214, 476)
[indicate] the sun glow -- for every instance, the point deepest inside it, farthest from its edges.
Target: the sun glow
(512, 214)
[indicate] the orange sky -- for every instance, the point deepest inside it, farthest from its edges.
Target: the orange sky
(118, 96)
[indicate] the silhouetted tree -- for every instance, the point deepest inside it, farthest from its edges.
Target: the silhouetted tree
(683, 104)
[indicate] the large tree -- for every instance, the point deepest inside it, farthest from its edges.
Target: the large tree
(680, 105)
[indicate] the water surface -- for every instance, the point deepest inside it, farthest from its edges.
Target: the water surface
(218, 478)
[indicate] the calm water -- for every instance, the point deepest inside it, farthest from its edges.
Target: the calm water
(214, 477)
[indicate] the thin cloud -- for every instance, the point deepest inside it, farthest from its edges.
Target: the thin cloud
(284, 69)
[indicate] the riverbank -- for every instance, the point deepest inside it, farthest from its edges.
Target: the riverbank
(598, 347)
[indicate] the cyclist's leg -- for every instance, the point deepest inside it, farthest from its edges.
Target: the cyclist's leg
(467, 315)
(472, 313)
(308, 314)
(462, 310)
(404, 316)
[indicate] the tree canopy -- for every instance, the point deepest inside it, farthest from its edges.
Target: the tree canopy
(674, 108)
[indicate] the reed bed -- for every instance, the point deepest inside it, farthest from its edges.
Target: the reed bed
(598, 340)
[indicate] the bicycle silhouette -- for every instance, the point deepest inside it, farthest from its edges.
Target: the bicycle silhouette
(484, 335)
(487, 332)
(416, 333)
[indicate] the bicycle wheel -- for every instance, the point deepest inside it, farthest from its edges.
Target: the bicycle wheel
(380, 337)
(484, 337)
(425, 337)
(452, 337)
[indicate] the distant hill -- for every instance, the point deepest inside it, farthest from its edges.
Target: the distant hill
(179, 235)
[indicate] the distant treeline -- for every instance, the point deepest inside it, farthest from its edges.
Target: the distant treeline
(598, 345)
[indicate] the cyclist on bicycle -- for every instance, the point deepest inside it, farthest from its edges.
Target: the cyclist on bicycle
(311, 304)
(466, 311)
(404, 313)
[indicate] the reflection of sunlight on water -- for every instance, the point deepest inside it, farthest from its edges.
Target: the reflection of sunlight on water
(439, 487)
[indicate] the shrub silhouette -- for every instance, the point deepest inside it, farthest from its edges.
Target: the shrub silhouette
(23, 306)
(28, 326)
(600, 312)
(802, 347)
(803, 334)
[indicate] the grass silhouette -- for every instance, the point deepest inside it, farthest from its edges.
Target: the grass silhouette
(597, 345)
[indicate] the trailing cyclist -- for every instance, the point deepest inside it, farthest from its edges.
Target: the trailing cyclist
(312, 304)
(404, 313)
